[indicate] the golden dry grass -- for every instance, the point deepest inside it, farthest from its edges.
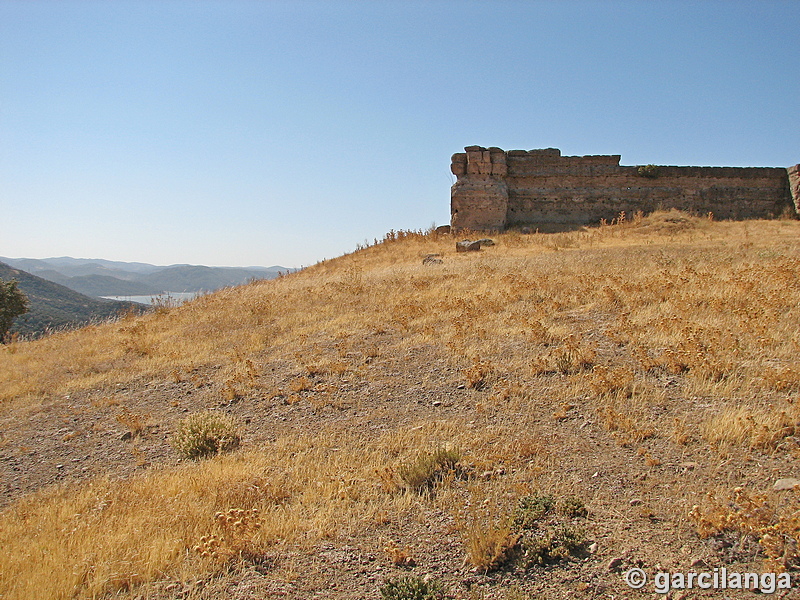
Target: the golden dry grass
(110, 536)
(669, 328)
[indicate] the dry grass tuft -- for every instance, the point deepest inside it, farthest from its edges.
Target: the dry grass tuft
(763, 428)
(430, 468)
(488, 538)
(205, 434)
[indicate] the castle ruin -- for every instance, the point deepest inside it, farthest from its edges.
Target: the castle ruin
(498, 189)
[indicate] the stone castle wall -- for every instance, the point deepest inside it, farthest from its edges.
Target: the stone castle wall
(496, 189)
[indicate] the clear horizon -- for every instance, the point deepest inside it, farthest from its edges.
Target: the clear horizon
(243, 133)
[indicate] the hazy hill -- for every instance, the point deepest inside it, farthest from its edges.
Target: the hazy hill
(81, 266)
(53, 306)
(190, 278)
(96, 277)
(528, 421)
(100, 285)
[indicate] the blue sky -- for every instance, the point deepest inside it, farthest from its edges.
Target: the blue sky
(261, 133)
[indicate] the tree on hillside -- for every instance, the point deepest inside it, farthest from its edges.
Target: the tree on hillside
(13, 303)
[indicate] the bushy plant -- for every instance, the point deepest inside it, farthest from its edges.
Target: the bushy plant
(206, 433)
(13, 303)
(551, 544)
(543, 538)
(649, 171)
(411, 588)
(572, 507)
(531, 509)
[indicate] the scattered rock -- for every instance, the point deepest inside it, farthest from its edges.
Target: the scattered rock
(126, 436)
(443, 229)
(593, 548)
(468, 246)
(635, 502)
(437, 403)
(486, 242)
(615, 563)
(432, 259)
(789, 483)
(698, 562)
(407, 561)
(689, 466)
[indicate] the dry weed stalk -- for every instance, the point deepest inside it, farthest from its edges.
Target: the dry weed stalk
(772, 520)
(236, 528)
(134, 422)
(400, 557)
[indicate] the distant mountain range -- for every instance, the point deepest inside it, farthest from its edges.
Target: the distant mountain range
(98, 278)
(53, 306)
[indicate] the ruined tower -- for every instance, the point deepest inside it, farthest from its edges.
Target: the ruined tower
(496, 189)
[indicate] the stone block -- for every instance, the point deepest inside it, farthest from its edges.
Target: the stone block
(499, 170)
(468, 246)
(474, 156)
(554, 152)
(498, 157)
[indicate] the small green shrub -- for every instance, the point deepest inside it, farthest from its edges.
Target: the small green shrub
(543, 538)
(649, 171)
(531, 509)
(516, 593)
(429, 468)
(411, 588)
(551, 544)
(206, 433)
(572, 507)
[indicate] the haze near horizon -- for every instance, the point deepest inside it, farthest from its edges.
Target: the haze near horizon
(240, 133)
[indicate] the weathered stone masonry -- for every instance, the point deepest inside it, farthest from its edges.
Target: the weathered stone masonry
(497, 189)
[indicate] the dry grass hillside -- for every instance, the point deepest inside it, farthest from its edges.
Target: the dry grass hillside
(525, 422)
